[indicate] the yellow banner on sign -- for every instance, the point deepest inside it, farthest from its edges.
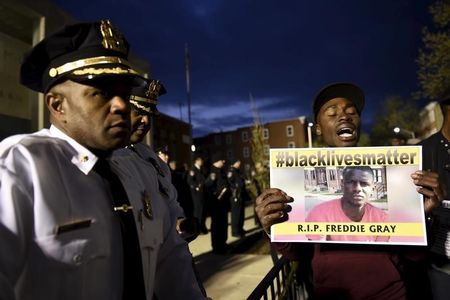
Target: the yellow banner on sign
(354, 228)
(352, 156)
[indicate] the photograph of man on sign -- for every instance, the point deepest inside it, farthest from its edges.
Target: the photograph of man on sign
(358, 187)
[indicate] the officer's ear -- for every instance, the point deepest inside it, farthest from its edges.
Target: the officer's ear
(55, 103)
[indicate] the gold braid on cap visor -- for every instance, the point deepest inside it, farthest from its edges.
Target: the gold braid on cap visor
(87, 62)
(143, 99)
(140, 106)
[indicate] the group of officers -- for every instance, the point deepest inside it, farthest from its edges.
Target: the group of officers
(214, 192)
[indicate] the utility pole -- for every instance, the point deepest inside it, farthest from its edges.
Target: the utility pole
(188, 80)
(187, 62)
(180, 107)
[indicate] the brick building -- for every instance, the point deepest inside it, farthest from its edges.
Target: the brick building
(237, 144)
(175, 134)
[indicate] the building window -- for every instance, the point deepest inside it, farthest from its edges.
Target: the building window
(266, 133)
(245, 152)
(332, 174)
(217, 140)
(244, 136)
(290, 130)
(228, 139)
(291, 144)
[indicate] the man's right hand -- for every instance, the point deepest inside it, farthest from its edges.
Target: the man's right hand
(272, 207)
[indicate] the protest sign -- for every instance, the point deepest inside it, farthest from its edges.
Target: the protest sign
(358, 195)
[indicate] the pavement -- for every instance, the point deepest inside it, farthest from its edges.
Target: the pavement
(234, 275)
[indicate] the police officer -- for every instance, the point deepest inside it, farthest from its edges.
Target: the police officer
(163, 153)
(196, 181)
(237, 188)
(143, 100)
(96, 226)
(217, 196)
(180, 182)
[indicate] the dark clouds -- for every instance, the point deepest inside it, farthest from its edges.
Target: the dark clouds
(280, 51)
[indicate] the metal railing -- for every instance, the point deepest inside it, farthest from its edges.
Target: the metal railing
(280, 283)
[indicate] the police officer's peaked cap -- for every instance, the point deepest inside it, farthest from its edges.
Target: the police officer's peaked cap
(144, 98)
(164, 149)
(217, 157)
(345, 90)
(80, 52)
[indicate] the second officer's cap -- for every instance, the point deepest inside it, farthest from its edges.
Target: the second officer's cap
(79, 52)
(144, 98)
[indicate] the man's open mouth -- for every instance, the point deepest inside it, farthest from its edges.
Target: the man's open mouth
(346, 132)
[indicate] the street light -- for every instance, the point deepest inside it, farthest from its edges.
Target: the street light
(398, 130)
(309, 128)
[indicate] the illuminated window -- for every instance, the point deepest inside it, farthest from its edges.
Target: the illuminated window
(290, 130)
(265, 133)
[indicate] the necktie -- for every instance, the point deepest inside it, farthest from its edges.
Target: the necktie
(133, 279)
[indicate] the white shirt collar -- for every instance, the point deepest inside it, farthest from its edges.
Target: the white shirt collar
(83, 158)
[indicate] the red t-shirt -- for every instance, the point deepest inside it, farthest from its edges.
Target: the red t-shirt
(331, 211)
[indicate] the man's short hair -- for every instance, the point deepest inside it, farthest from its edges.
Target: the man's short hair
(349, 170)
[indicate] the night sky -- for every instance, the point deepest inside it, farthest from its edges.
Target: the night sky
(282, 52)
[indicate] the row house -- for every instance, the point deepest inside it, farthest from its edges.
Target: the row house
(237, 144)
(328, 180)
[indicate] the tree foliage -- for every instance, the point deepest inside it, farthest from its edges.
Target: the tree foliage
(258, 155)
(260, 180)
(395, 112)
(434, 57)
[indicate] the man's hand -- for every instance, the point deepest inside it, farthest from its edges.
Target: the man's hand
(272, 207)
(429, 185)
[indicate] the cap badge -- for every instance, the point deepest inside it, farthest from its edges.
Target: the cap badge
(148, 210)
(112, 37)
(153, 89)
